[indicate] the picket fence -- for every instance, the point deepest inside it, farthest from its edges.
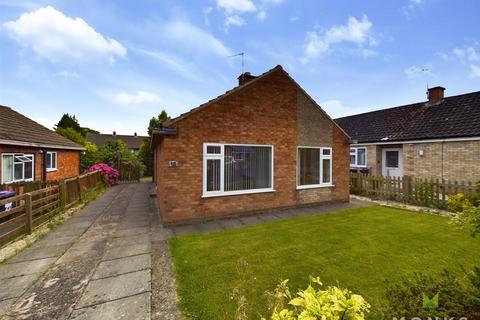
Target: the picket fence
(418, 191)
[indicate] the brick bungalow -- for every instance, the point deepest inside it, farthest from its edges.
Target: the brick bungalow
(31, 152)
(439, 138)
(266, 144)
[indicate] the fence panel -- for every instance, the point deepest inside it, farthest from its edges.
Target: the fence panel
(129, 172)
(418, 191)
(30, 210)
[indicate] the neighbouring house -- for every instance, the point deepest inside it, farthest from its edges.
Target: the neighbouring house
(266, 144)
(31, 152)
(438, 139)
(133, 142)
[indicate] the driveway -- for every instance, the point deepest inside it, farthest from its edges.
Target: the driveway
(97, 265)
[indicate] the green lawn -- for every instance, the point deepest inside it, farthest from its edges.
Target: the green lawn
(358, 249)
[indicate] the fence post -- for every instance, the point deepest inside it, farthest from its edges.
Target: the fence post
(407, 188)
(28, 213)
(79, 187)
(62, 189)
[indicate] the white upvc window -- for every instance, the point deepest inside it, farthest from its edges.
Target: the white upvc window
(17, 167)
(314, 167)
(358, 157)
(51, 161)
(232, 169)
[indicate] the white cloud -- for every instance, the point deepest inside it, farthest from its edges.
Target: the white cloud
(469, 54)
(140, 97)
(358, 32)
(474, 71)
(53, 36)
(172, 62)
(411, 6)
(234, 20)
(414, 71)
(46, 122)
(241, 6)
(192, 37)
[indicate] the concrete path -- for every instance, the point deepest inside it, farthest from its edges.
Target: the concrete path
(109, 261)
(97, 265)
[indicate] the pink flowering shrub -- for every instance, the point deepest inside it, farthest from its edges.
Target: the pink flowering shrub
(111, 174)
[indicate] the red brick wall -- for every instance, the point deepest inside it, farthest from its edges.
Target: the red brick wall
(262, 113)
(68, 161)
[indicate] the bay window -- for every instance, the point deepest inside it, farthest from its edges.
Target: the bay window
(230, 169)
(314, 167)
(358, 157)
(51, 161)
(17, 167)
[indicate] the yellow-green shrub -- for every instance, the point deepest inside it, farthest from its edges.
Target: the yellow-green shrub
(314, 303)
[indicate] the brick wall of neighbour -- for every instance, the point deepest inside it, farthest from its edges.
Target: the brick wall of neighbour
(262, 113)
(68, 161)
(450, 160)
(68, 165)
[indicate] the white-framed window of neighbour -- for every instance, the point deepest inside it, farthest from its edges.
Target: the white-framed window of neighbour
(17, 167)
(231, 169)
(358, 157)
(51, 161)
(314, 167)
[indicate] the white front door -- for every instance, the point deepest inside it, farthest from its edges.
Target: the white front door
(392, 162)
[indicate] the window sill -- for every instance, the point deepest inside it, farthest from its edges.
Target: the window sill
(236, 193)
(52, 170)
(355, 166)
(315, 186)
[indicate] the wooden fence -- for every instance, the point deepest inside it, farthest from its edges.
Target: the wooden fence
(129, 172)
(32, 209)
(424, 192)
(29, 186)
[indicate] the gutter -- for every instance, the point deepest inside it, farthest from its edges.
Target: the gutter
(39, 145)
(356, 142)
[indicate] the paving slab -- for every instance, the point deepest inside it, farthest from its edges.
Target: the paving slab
(231, 223)
(251, 220)
(120, 266)
(40, 253)
(121, 252)
(55, 241)
(108, 289)
(161, 234)
(184, 230)
(269, 217)
(210, 226)
(132, 231)
(24, 268)
(5, 306)
(130, 240)
(15, 287)
(134, 307)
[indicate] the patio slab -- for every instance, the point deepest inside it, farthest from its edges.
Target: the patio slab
(121, 266)
(134, 307)
(113, 288)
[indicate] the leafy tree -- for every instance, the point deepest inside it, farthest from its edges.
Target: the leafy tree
(88, 157)
(115, 151)
(156, 121)
(146, 153)
(68, 121)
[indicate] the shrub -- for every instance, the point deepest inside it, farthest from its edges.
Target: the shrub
(468, 218)
(314, 303)
(111, 175)
(457, 202)
(423, 296)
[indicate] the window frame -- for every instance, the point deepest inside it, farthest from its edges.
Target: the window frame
(13, 155)
(321, 158)
(356, 165)
(221, 157)
(48, 166)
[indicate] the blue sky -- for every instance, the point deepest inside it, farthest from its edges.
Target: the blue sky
(114, 64)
